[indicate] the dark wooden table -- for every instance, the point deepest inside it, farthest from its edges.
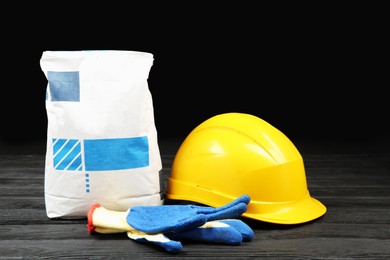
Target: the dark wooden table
(351, 179)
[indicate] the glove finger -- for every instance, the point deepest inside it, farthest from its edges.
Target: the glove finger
(245, 231)
(156, 239)
(232, 210)
(222, 213)
(213, 231)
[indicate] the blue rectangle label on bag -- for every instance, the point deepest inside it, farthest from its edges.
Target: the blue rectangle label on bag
(116, 153)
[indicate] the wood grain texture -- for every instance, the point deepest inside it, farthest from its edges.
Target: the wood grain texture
(354, 186)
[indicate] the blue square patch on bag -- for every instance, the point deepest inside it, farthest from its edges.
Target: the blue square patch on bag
(64, 85)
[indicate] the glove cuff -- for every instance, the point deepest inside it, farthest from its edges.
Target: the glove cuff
(91, 226)
(100, 217)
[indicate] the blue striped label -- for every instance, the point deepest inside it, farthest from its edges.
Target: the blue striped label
(67, 154)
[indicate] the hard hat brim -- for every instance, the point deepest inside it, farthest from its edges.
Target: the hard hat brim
(293, 213)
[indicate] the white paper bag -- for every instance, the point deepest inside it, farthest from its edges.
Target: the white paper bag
(101, 138)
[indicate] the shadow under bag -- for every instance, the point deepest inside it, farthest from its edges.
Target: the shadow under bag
(101, 136)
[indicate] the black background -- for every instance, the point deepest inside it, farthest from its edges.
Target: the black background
(314, 72)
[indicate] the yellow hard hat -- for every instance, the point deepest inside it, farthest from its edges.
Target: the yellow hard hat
(233, 154)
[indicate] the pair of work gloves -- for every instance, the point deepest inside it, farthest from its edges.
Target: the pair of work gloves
(167, 225)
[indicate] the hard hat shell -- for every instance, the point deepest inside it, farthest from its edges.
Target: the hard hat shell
(233, 154)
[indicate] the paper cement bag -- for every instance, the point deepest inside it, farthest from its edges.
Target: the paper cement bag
(101, 137)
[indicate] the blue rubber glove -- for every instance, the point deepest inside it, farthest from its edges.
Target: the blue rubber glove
(227, 231)
(176, 218)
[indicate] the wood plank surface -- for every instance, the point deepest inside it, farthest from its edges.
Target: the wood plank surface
(354, 186)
